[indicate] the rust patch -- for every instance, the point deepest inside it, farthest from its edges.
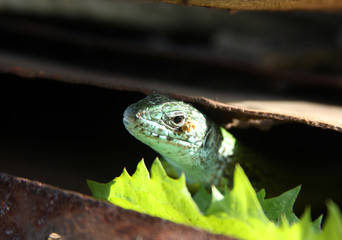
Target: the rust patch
(32, 210)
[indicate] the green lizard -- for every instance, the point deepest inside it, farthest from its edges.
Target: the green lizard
(186, 138)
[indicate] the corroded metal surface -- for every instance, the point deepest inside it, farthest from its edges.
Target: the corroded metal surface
(225, 107)
(265, 4)
(32, 210)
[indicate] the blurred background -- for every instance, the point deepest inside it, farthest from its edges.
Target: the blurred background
(62, 134)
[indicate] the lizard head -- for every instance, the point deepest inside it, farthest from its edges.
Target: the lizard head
(161, 122)
(174, 129)
(182, 135)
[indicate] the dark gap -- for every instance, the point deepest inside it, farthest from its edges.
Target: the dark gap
(63, 134)
(145, 54)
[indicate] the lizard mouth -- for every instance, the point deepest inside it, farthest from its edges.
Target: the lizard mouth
(129, 114)
(138, 131)
(127, 121)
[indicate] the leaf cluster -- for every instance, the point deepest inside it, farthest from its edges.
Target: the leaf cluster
(239, 212)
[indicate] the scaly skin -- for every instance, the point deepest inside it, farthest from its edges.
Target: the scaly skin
(205, 152)
(184, 137)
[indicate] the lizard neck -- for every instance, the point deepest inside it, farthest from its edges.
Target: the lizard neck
(207, 163)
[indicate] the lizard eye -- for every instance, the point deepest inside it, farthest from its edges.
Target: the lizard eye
(175, 120)
(178, 120)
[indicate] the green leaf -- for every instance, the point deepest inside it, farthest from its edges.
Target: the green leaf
(332, 228)
(275, 208)
(318, 222)
(202, 198)
(158, 195)
(241, 202)
(100, 190)
(238, 213)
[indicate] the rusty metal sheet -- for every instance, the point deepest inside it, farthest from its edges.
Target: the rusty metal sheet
(335, 5)
(224, 105)
(32, 210)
